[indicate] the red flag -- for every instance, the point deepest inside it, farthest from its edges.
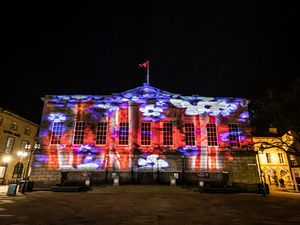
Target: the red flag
(145, 64)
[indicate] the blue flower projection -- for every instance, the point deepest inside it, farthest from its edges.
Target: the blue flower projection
(152, 112)
(189, 150)
(243, 116)
(89, 154)
(217, 108)
(152, 162)
(57, 117)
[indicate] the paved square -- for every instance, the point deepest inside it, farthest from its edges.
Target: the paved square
(138, 205)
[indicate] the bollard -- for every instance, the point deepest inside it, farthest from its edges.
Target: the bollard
(116, 181)
(172, 181)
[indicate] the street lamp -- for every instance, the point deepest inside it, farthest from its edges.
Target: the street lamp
(27, 147)
(261, 172)
(21, 155)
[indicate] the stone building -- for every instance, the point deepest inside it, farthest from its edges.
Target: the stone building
(16, 133)
(146, 135)
(274, 163)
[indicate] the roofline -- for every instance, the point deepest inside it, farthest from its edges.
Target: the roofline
(19, 117)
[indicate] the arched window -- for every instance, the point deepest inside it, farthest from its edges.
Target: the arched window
(18, 170)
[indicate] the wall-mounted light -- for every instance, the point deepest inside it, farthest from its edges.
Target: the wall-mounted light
(6, 159)
(22, 154)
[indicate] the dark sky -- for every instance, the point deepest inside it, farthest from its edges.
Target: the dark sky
(212, 49)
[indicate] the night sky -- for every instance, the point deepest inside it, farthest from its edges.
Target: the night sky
(212, 49)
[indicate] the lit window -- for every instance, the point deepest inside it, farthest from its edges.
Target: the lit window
(101, 133)
(234, 135)
(9, 144)
(268, 156)
(27, 131)
(146, 134)
(167, 134)
(190, 134)
(79, 133)
(280, 157)
(13, 126)
(123, 133)
(57, 130)
(212, 134)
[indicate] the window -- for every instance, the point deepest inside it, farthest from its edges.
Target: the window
(18, 170)
(293, 160)
(13, 126)
(146, 134)
(190, 134)
(101, 133)
(212, 134)
(9, 144)
(268, 156)
(1, 120)
(23, 146)
(167, 134)
(2, 170)
(57, 130)
(27, 131)
(234, 135)
(79, 133)
(280, 157)
(123, 133)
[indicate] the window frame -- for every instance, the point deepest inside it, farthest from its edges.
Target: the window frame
(80, 133)
(165, 136)
(212, 135)
(234, 137)
(127, 134)
(268, 158)
(101, 133)
(54, 135)
(11, 146)
(11, 126)
(280, 157)
(190, 134)
(147, 134)
(27, 133)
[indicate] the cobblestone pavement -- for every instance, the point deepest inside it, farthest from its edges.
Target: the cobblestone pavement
(139, 205)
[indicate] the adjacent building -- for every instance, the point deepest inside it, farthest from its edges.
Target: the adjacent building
(17, 135)
(145, 135)
(274, 162)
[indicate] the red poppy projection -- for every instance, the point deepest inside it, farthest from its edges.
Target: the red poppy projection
(139, 128)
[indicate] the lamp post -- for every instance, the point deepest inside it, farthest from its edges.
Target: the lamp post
(21, 155)
(27, 147)
(260, 172)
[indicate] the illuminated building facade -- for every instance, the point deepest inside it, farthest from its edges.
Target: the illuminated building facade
(16, 134)
(274, 163)
(145, 134)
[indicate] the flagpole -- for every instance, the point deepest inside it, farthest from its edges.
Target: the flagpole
(148, 71)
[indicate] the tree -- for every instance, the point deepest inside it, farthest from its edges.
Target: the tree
(280, 110)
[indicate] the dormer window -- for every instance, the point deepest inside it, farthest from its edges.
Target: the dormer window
(13, 126)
